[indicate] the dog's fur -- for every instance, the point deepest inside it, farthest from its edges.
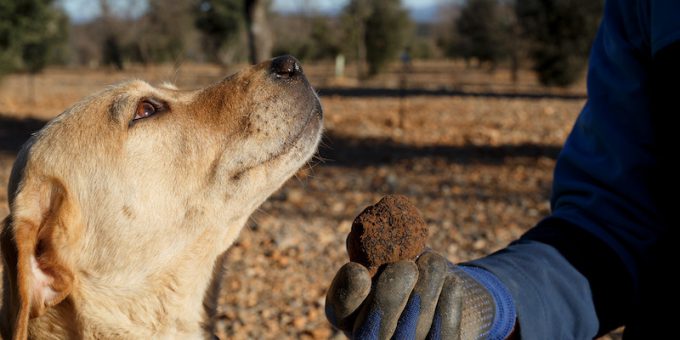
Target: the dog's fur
(115, 225)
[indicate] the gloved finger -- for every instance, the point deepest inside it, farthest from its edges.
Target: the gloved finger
(347, 292)
(416, 319)
(465, 309)
(432, 272)
(378, 317)
(446, 320)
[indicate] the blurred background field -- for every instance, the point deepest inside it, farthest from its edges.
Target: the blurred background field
(461, 115)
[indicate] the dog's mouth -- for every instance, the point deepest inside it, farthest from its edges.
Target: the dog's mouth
(294, 149)
(306, 136)
(312, 123)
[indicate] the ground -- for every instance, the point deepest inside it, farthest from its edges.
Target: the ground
(472, 150)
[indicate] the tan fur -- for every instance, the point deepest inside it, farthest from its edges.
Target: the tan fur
(115, 228)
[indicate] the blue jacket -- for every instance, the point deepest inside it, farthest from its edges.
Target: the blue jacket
(594, 264)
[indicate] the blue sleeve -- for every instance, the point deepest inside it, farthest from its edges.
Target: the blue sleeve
(665, 25)
(552, 298)
(605, 215)
(565, 282)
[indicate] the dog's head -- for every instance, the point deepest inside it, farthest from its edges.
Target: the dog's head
(137, 179)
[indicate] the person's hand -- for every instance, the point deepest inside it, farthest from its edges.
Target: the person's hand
(413, 300)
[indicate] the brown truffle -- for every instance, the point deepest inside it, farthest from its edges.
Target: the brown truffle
(386, 232)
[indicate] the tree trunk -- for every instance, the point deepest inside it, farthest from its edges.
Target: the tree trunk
(259, 35)
(360, 30)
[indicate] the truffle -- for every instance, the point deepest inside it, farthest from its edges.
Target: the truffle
(387, 232)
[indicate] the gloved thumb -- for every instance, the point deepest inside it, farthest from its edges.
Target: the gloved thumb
(349, 289)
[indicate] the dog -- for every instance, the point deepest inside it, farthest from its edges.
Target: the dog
(121, 205)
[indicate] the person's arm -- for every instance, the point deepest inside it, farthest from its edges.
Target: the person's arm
(566, 283)
(665, 108)
(656, 286)
(602, 259)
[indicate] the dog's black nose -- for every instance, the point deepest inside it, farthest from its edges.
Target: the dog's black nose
(285, 67)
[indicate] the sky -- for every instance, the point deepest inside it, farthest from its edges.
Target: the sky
(83, 10)
(334, 5)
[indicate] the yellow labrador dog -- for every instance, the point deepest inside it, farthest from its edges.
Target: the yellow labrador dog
(121, 204)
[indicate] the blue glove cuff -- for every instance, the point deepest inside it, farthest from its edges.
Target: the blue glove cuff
(504, 320)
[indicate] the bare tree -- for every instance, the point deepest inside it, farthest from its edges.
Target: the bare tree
(259, 35)
(353, 20)
(111, 51)
(559, 35)
(222, 27)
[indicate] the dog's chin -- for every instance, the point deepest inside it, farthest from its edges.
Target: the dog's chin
(297, 150)
(269, 172)
(310, 132)
(307, 139)
(302, 144)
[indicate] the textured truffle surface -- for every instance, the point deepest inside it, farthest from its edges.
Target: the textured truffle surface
(386, 232)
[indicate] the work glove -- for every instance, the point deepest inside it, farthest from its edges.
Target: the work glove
(429, 298)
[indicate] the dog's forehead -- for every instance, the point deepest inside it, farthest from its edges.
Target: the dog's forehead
(111, 95)
(166, 85)
(132, 86)
(127, 93)
(140, 87)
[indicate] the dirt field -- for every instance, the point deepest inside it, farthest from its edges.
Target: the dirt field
(474, 152)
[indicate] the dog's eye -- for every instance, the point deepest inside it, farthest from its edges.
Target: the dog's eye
(144, 109)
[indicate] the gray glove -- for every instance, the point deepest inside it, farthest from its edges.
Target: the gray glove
(429, 298)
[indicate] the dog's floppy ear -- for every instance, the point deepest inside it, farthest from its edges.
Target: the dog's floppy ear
(34, 238)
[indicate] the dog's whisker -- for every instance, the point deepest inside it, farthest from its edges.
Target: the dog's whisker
(253, 222)
(311, 167)
(177, 66)
(321, 159)
(325, 145)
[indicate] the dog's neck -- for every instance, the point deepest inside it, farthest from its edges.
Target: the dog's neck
(175, 310)
(182, 308)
